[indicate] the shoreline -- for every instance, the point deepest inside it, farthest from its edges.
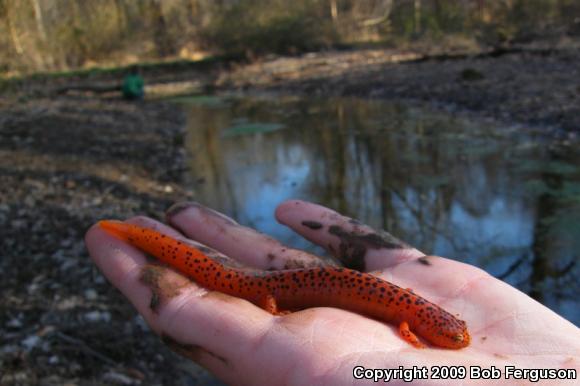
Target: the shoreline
(524, 87)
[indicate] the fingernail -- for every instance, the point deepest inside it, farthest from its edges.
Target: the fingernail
(215, 213)
(177, 208)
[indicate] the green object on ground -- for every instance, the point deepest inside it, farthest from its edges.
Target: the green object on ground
(133, 87)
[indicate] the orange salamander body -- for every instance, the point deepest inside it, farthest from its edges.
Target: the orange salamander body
(306, 287)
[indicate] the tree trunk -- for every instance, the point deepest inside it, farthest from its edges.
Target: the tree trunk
(16, 43)
(165, 45)
(122, 16)
(333, 11)
(39, 20)
(192, 10)
(417, 23)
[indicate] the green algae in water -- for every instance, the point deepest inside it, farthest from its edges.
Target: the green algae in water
(433, 181)
(252, 128)
(201, 100)
(554, 167)
(568, 190)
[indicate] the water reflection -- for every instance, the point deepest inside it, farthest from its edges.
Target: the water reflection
(475, 192)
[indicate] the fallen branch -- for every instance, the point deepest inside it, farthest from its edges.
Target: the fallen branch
(85, 348)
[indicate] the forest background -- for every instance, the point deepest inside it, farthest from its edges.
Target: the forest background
(60, 35)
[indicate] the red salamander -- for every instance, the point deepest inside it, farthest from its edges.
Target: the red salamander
(303, 288)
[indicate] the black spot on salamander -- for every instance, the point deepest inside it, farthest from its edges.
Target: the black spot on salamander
(312, 224)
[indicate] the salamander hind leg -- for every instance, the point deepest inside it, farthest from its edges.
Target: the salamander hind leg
(408, 336)
(268, 303)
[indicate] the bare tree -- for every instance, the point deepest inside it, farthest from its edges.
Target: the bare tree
(6, 12)
(334, 11)
(163, 42)
(417, 16)
(39, 19)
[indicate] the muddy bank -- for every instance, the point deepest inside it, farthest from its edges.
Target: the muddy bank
(536, 86)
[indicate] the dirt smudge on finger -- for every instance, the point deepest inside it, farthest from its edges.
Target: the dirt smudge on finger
(192, 351)
(219, 257)
(296, 263)
(354, 221)
(163, 282)
(354, 245)
(314, 225)
(425, 260)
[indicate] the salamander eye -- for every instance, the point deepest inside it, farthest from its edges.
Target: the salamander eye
(458, 338)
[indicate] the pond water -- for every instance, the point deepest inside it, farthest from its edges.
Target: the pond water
(496, 197)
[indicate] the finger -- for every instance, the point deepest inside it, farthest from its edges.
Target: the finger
(435, 277)
(356, 245)
(211, 328)
(227, 236)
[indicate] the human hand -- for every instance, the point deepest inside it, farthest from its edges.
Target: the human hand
(243, 344)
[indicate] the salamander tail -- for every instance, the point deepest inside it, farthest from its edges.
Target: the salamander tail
(115, 228)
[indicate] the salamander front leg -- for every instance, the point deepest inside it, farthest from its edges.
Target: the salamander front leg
(408, 336)
(268, 303)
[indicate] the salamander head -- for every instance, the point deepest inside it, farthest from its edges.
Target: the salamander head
(453, 335)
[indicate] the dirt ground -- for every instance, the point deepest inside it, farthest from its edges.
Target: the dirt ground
(68, 159)
(65, 163)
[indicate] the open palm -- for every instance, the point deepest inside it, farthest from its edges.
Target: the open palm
(243, 344)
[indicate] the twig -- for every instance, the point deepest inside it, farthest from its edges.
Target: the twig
(513, 267)
(84, 347)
